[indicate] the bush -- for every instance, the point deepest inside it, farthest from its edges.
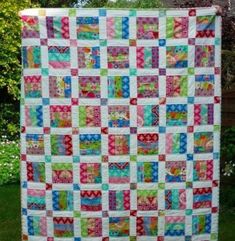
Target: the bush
(9, 161)
(9, 121)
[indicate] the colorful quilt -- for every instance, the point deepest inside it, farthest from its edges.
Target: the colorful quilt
(120, 124)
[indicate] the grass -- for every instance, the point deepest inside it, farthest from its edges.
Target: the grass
(10, 213)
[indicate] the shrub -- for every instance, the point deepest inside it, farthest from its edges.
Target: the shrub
(9, 161)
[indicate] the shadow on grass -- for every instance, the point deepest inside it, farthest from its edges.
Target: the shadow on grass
(10, 229)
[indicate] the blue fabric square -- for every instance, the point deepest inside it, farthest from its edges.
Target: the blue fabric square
(162, 129)
(45, 101)
(102, 12)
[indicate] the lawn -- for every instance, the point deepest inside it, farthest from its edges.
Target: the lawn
(10, 213)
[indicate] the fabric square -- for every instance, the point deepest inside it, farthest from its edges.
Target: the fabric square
(119, 226)
(176, 143)
(203, 114)
(118, 57)
(88, 57)
(91, 200)
(33, 86)
(176, 86)
(34, 144)
(147, 172)
(87, 28)
(61, 145)
(34, 116)
(205, 27)
(203, 170)
(204, 56)
(90, 144)
(147, 86)
(117, 27)
(89, 86)
(147, 200)
(59, 57)
(202, 197)
(118, 87)
(62, 172)
(175, 171)
(174, 226)
(60, 116)
(90, 173)
(204, 85)
(60, 86)
(147, 57)
(147, 115)
(31, 57)
(147, 144)
(177, 56)
(57, 27)
(177, 27)
(36, 171)
(36, 199)
(119, 172)
(89, 116)
(203, 142)
(63, 227)
(119, 116)
(176, 115)
(119, 200)
(30, 27)
(147, 226)
(147, 28)
(37, 226)
(62, 200)
(91, 227)
(119, 144)
(201, 224)
(175, 199)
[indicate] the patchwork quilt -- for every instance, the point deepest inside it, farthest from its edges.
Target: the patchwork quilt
(120, 124)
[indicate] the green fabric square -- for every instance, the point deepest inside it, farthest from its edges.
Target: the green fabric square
(76, 159)
(48, 159)
(72, 12)
(132, 13)
(133, 158)
(45, 71)
(161, 186)
(214, 236)
(133, 72)
(216, 128)
(103, 72)
(22, 101)
(77, 214)
(217, 41)
(105, 186)
(103, 42)
(191, 71)
(188, 212)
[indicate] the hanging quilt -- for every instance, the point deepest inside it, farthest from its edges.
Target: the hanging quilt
(120, 124)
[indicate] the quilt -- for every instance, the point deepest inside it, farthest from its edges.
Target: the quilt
(120, 124)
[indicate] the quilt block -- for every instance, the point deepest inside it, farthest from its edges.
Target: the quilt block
(120, 124)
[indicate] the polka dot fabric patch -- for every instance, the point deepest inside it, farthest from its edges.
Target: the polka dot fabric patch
(120, 120)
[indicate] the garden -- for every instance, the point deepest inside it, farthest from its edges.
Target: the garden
(10, 75)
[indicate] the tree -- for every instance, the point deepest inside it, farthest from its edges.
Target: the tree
(10, 25)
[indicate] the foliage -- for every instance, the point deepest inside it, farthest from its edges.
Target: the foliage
(10, 68)
(54, 3)
(228, 69)
(134, 4)
(228, 151)
(9, 121)
(9, 161)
